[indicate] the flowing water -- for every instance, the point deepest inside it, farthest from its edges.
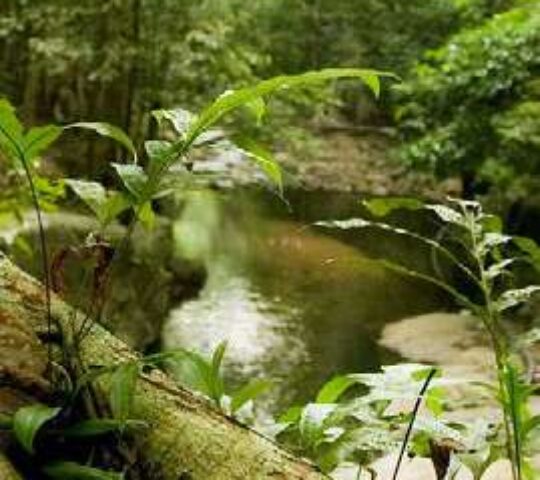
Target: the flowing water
(296, 304)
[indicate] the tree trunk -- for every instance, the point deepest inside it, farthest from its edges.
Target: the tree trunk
(7, 472)
(187, 438)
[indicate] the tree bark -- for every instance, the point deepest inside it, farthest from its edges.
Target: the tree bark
(186, 438)
(7, 472)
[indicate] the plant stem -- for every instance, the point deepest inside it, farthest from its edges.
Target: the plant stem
(413, 419)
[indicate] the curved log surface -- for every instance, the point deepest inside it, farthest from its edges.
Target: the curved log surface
(186, 438)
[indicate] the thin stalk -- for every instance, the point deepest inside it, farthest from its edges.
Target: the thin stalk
(491, 318)
(408, 433)
(42, 240)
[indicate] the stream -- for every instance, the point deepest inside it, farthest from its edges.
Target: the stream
(297, 304)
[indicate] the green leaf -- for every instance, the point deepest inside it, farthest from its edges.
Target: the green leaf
(512, 298)
(109, 131)
(292, 415)
(179, 118)
(447, 214)
(11, 130)
(248, 392)
(381, 207)
(332, 390)
(312, 422)
(263, 159)
(122, 390)
(147, 216)
(39, 139)
(231, 100)
(75, 471)
(257, 108)
(9, 122)
(158, 153)
(133, 177)
(93, 194)
(100, 426)
(216, 380)
(27, 422)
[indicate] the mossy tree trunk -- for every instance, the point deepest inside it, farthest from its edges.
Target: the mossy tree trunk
(186, 438)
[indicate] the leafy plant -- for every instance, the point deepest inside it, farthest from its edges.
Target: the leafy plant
(486, 257)
(139, 187)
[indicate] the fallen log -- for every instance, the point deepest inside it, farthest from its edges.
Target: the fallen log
(186, 437)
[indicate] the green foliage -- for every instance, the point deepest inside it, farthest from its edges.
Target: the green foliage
(470, 107)
(28, 421)
(347, 423)
(205, 376)
(75, 471)
(486, 259)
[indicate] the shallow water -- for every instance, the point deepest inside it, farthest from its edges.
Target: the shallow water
(296, 304)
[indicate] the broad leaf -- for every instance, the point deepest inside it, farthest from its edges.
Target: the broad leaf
(232, 100)
(512, 298)
(134, 179)
(332, 390)
(263, 159)
(38, 139)
(109, 131)
(28, 421)
(312, 422)
(9, 122)
(179, 118)
(75, 471)
(93, 194)
(248, 392)
(11, 131)
(122, 390)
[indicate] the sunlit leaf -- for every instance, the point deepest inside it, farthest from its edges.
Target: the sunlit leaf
(28, 421)
(333, 389)
(232, 100)
(512, 298)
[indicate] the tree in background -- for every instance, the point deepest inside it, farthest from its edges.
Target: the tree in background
(472, 107)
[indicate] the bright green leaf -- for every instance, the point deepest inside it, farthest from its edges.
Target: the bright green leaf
(333, 389)
(232, 100)
(27, 422)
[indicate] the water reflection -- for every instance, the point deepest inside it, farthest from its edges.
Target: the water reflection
(296, 305)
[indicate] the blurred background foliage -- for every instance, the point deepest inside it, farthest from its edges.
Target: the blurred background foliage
(468, 106)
